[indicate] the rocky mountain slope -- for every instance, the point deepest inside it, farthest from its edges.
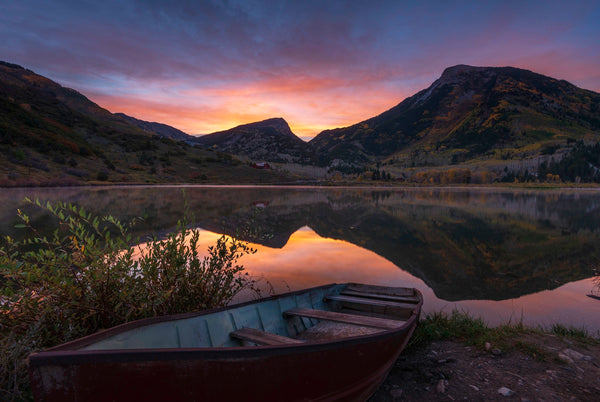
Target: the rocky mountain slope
(268, 140)
(471, 113)
(52, 135)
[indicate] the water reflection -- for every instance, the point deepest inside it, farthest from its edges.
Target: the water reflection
(310, 260)
(531, 251)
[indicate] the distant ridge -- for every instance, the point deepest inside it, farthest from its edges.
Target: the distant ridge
(157, 128)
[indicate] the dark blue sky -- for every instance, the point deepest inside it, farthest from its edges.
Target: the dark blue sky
(203, 66)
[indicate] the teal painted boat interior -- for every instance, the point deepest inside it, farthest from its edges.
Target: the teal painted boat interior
(213, 329)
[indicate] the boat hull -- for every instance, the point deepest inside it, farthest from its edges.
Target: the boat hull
(347, 369)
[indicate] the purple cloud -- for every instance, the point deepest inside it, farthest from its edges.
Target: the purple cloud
(319, 64)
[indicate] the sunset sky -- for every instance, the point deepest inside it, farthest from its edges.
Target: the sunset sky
(204, 66)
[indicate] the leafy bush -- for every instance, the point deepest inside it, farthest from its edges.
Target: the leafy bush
(60, 159)
(102, 175)
(108, 163)
(77, 172)
(88, 276)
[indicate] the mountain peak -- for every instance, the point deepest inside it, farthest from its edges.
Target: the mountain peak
(11, 65)
(278, 123)
(461, 72)
(267, 140)
(459, 69)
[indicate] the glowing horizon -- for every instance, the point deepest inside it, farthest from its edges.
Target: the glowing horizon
(210, 66)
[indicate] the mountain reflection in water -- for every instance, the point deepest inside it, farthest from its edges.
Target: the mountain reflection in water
(310, 260)
(499, 254)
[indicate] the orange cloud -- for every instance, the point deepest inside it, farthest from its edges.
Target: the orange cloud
(208, 66)
(310, 104)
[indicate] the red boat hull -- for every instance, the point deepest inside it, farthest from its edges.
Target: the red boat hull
(350, 370)
(346, 369)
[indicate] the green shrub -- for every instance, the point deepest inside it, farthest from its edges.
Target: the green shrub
(88, 276)
(102, 175)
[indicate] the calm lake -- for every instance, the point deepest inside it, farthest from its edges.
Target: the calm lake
(498, 254)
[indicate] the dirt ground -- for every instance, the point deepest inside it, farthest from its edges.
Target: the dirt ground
(451, 371)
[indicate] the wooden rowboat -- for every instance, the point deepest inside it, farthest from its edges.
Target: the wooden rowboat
(335, 342)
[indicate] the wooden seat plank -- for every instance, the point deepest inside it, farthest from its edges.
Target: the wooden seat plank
(370, 302)
(387, 290)
(365, 321)
(263, 338)
(380, 296)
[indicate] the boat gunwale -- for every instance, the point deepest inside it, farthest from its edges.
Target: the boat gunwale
(220, 353)
(70, 352)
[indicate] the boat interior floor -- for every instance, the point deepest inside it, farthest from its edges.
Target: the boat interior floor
(329, 331)
(356, 312)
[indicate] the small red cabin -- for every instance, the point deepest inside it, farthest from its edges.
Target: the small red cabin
(261, 165)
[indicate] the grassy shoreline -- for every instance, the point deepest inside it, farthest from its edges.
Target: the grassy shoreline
(457, 357)
(462, 327)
